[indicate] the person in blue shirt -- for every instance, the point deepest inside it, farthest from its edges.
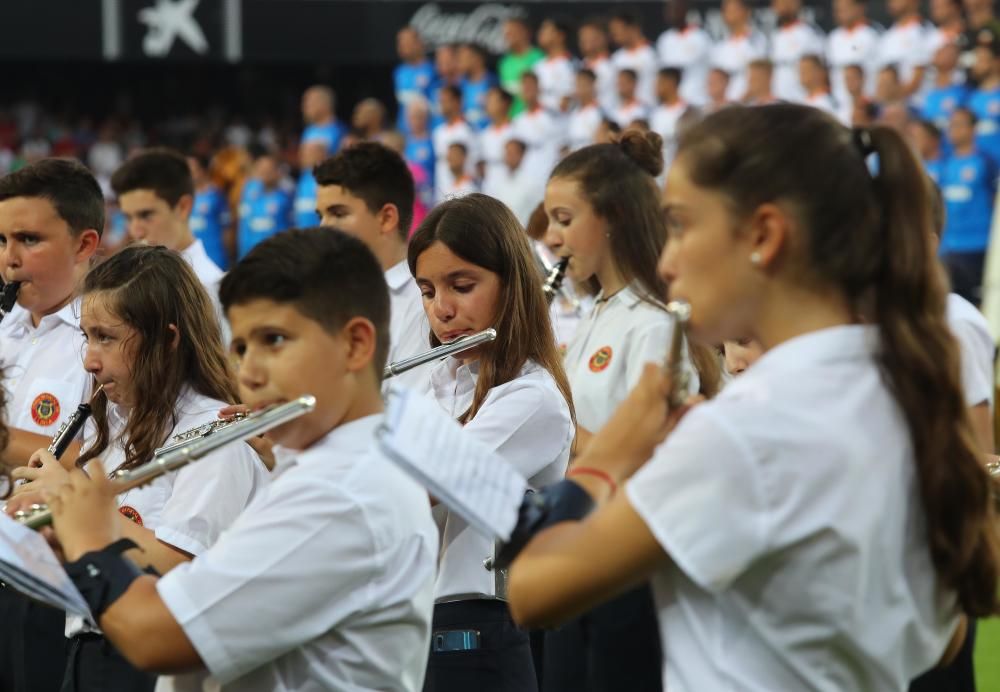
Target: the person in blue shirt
(926, 138)
(968, 185)
(985, 100)
(477, 81)
(446, 73)
(946, 95)
(321, 138)
(419, 149)
(414, 77)
(210, 220)
(268, 205)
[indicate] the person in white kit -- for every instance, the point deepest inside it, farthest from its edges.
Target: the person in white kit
(741, 45)
(792, 38)
(792, 528)
(854, 42)
(813, 77)
(325, 582)
(907, 45)
(474, 266)
(494, 137)
(668, 117)
(154, 344)
(630, 107)
(156, 195)
(367, 191)
(462, 182)
(555, 71)
(592, 40)
(453, 129)
(634, 53)
(518, 186)
(586, 116)
(604, 215)
(51, 220)
(688, 48)
(538, 128)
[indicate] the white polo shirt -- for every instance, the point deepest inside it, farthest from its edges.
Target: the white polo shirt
(492, 143)
(664, 119)
(688, 50)
(583, 125)
(556, 79)
(790, 509)
(857, 45)
(823, 101)
(643, 60)
(788, 44)
(606, 356)
(544, 135)
(409, 331)
(43, 375)
(210, 276)
(324, 583)
(978, 350)
(527, 422)
(733, 54)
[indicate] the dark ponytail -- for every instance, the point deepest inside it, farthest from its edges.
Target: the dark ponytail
(870, 236)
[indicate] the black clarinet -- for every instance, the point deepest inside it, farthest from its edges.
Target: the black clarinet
(553, 283)
(69, 430)
(8, 296)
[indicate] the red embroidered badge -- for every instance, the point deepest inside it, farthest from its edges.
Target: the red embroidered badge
(131, 513)
(45, 409)
(601, 359)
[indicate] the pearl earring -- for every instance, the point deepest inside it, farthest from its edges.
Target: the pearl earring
(755, 258)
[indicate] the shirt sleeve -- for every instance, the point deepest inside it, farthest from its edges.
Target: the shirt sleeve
(529, 426)
(976, 351)
(648, 344)
(207, 496)
(278, 579)
(702, 499)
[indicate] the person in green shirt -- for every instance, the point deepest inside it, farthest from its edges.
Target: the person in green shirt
(520, 57)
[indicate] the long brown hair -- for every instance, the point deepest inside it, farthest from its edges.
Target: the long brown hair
(618, 180)
(482, 230)
(869, 236)
(150, 289)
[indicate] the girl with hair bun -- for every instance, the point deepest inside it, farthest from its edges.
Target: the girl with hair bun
(826, 522)
(603, 205)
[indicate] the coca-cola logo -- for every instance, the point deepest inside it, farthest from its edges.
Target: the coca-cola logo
(483, 25)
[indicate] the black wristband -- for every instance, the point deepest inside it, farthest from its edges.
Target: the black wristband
(562, 501)
(104, 575)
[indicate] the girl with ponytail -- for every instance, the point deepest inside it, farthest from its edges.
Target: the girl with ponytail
(826, 521)
(603, 206)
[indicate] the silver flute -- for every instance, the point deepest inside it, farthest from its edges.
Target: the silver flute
(459, 345)
(176, 456)
(680, 378)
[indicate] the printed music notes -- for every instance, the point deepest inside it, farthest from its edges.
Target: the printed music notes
(464, 475)
(28, 564)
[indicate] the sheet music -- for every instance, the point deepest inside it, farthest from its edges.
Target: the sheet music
(28, 564)
(465, 475)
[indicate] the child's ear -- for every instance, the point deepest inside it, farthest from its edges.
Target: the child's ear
(175, 339)
(87, 244)
(361, 343)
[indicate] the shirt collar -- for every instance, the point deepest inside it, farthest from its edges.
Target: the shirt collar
(398, 275)
(194, 253)
(68, 314)
(628, 295)
(343, 445)
(815, 349)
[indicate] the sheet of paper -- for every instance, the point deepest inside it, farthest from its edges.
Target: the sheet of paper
(28, 564)
(463, 474)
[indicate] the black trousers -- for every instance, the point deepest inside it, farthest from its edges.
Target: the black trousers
(614, 647)
(94, 665)
(502, 663)
(32, 644)
(965, 269)
(959, 676)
